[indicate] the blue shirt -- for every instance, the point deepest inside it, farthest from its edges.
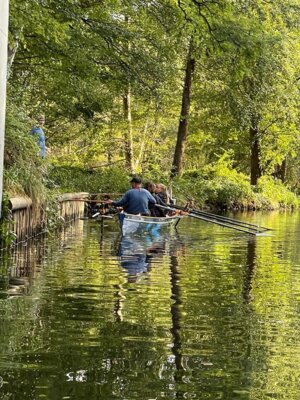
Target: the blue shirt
(38, 131)
(136, 201)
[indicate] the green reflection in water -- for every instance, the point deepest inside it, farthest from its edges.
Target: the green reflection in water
(206, 313)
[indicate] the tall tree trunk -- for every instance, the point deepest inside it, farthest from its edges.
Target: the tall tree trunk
(110, 145)
(12, 51)
(256, 169)
(139, 158)
(128, 131)
(184, 115)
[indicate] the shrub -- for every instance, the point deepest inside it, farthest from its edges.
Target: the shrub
(273, 192)
(221, 186)
(77, 179)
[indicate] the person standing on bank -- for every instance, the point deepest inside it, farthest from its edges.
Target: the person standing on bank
(38, 131)
(136, 200)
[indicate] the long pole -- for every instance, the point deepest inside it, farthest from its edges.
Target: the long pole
(241, 228)
(3, 76)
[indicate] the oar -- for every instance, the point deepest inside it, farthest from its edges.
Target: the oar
(249, 230)
(230, 221)
(90, 201)
(225, 219)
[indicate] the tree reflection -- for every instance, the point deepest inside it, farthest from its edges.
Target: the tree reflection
(176, 312)
(250, 269)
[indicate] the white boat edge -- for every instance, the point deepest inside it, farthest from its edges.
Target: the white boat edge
(131, 222)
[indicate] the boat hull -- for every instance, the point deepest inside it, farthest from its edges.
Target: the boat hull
(131, 224)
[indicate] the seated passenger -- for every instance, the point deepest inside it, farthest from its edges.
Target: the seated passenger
(161, 191)
(154, 210)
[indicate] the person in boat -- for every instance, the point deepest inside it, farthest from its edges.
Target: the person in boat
(154, 210)
(136, 200)
(161, 192)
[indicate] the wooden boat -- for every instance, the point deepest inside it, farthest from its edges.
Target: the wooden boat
(139, 223)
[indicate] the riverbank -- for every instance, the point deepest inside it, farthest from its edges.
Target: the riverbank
(216, 187)
(212, 188)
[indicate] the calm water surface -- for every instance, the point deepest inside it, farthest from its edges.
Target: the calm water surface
(205, 313)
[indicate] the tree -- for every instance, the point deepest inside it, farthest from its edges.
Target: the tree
(185, 113)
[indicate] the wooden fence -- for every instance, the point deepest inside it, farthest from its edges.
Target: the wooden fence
(29, 220)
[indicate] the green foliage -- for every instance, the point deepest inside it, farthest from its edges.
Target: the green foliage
(74, 61)
(271, 193)
(25, 171)
(223, 187)
(216, 185)
(7, 236)
(76, 179)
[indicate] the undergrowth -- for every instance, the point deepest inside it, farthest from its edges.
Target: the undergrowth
(25, 172)
(221, 186)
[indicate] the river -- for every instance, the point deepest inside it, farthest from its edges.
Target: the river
(201, 313)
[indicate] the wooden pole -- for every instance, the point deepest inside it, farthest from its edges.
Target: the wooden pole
(3, 76)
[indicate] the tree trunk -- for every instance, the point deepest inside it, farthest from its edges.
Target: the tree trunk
(109, 151)
(127, 117)
(12, 50)
(280, 171)
(184, 116)
(139, 158)
(256, 169)
(128, 131)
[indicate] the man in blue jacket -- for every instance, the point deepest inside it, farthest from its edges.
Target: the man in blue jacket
(39, 133)
(136, 200)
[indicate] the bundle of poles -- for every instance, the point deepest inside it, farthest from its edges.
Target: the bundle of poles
(226, 222)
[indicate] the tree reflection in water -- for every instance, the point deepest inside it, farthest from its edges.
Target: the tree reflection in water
(250, 269)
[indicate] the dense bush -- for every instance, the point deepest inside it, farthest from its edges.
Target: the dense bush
(77, 179)
(272, 193)
(221, 186)
(24, 170)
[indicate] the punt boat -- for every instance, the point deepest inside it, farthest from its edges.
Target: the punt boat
(131, 224)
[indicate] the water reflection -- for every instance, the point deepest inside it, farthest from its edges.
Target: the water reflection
(154, 317)
(250, 269)
(137, 253)
(23, 265)
(176, 318)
